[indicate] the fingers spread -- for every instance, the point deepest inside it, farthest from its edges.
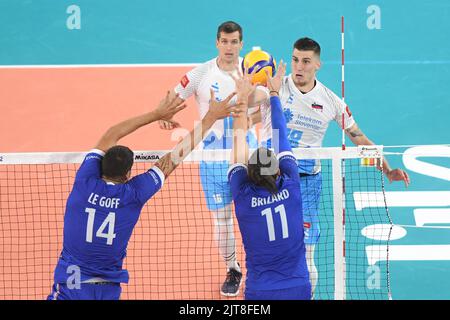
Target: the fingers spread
(167, 96)
(174, 98)
(246, 67)
(406, 178)
(166, 125)
(229, 97)
(179, 108)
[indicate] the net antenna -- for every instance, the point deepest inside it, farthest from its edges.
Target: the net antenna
(339, 220)
(339, 183)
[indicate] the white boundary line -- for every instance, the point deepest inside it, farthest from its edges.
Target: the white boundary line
(83, 66)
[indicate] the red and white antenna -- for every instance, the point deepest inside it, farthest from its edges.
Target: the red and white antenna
(343, 161)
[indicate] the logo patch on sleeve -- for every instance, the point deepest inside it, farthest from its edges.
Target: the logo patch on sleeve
(184, 81)
(348, 111)
(154, 176)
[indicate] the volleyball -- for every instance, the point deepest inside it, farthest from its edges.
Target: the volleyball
(261, 61)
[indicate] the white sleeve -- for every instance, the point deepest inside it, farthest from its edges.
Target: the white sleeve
(263, 90)
(98, 151)
(190, 82)
(159, 173)
(340, 107)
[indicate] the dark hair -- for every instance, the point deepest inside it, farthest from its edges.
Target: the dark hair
(307, 44)
(263, 169)
(229, 27)
(117, 161)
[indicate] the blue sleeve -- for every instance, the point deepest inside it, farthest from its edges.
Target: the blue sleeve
(91, 167)
(279, 123)
(288, 165)
(238, 177)
(147, 184)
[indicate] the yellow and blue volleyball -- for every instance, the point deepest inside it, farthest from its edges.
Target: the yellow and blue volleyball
(259, 60)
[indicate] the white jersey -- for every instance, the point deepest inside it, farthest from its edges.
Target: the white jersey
(307, 116)
(199, 81)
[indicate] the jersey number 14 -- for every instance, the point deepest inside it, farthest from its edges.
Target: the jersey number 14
(107, 223)
(269, 219)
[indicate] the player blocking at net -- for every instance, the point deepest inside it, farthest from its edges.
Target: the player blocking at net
(104, 204)
(267, 198)
(216, 74)
(309, 107)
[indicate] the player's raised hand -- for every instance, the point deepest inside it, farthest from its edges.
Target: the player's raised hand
(244, 85)
(274, 83)
(223, 109)
(167, 108)
(398, 175)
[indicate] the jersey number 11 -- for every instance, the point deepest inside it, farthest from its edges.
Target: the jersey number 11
(269, 219)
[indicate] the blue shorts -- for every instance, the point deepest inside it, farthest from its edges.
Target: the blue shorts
(311, 188)
(296, 293)
(215, 184)
(87, 291)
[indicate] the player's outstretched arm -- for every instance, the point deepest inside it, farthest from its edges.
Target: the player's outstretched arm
(359, 138)
(165, 110)
(280, 142)
(244, 89)
(217, 110)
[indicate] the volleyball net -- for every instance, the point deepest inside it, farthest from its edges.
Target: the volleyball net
(172, 253)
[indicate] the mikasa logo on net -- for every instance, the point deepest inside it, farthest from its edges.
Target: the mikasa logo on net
(146, 157)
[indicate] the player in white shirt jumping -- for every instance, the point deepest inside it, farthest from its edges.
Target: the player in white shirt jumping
(309, 107)
(216, 74)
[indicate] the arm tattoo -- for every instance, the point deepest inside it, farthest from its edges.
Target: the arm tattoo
(356, 133)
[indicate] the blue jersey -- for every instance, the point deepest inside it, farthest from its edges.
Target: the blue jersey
(271, 227)
(99, 221)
